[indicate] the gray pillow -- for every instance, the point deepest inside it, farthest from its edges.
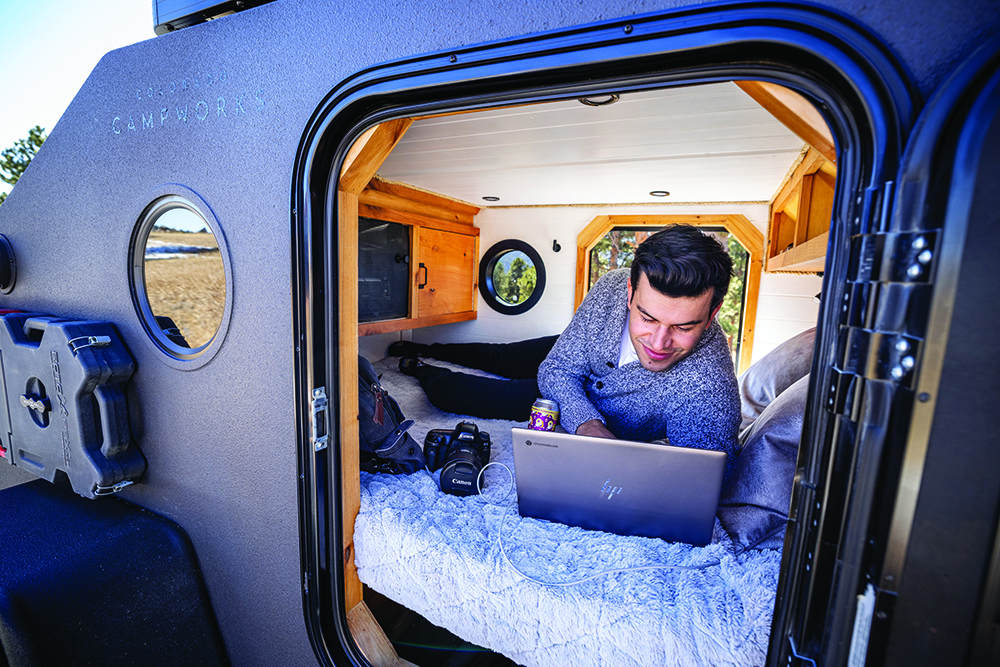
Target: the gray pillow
(779, 369)
(753, 507)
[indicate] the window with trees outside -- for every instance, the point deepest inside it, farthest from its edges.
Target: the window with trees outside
(511, 277)
(514, 277)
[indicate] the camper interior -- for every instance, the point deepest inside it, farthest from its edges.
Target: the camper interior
(725, 156)
(444, 207)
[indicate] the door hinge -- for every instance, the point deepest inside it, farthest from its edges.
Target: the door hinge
(864, 355)
(878, 355)
(319, 434)
(874, 206)
(893, 257)
(841, 392)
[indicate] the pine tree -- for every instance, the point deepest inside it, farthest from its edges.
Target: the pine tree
(14, 160)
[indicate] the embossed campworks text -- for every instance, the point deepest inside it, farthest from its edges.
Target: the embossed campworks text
(61, 400)
(186, 102)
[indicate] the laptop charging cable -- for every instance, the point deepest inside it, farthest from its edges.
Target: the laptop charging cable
(575, 582)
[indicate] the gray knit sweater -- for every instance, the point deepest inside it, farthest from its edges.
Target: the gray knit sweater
(694, 403)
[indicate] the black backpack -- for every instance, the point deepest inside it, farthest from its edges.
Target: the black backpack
(385, 444)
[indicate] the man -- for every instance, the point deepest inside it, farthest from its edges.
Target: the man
(642, 359)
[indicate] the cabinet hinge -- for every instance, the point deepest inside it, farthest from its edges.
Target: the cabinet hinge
(319, 434)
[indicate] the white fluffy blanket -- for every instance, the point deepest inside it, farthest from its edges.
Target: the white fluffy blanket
(439, 556)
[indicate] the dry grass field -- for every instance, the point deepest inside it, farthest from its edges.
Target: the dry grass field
(190, 290)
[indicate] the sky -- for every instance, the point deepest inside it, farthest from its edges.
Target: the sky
(50, 47)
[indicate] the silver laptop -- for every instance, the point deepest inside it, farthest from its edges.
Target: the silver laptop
(628, 488)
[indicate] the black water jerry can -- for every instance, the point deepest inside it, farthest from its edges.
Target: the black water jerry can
(65, 411)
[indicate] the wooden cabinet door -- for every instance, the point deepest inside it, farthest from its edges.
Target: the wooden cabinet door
(445, 276)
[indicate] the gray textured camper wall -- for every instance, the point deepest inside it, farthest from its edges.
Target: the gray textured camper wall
(220, 108)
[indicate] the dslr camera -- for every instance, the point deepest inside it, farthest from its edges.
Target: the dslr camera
(460, 454)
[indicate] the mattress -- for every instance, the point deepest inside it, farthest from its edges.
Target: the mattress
(544, 593)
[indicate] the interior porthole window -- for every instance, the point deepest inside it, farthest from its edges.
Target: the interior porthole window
(180, 278)
(511, 277)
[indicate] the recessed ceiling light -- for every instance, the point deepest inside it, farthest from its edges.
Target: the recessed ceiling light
(491, 198)
(599, 100)
(660, 193)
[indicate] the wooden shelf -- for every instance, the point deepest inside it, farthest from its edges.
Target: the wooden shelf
(800, 217)
(808, 257)
(388, 326)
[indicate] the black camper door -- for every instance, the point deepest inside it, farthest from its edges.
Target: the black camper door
(894, 558)
(940, 566)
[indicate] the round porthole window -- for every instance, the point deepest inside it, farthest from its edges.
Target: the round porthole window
(180, 278)
(511, 277)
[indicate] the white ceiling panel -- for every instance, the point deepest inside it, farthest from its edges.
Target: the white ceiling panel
(701, 143)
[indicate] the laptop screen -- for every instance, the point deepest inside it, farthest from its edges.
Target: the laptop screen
(628, 488)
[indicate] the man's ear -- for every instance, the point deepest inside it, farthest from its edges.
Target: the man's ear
(628, 291)
(715, 311)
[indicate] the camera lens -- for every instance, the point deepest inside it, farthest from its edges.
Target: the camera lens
(460, 471)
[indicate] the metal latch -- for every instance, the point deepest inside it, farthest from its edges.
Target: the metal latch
(36, 403)
(319, 432)
(109, 490)
(77, 344)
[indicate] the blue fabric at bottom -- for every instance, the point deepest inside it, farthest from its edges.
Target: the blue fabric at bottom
(439, 556)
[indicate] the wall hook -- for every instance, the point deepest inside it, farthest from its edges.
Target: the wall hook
(555, 246)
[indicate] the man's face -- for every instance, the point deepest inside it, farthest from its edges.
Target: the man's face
(665, 329)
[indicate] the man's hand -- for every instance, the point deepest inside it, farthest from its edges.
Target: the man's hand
(596, 429)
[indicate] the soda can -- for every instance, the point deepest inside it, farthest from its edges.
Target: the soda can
(544, 415)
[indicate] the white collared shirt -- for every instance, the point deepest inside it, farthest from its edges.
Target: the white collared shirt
(627, 353)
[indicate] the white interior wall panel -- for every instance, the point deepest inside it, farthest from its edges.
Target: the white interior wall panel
(786, 305)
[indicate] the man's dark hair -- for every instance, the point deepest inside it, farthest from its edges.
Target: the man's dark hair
(682, 261)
